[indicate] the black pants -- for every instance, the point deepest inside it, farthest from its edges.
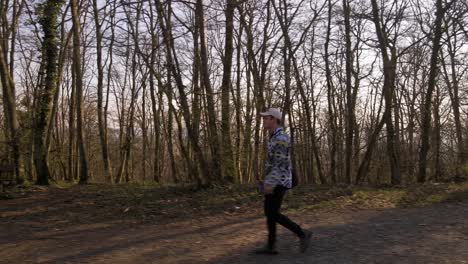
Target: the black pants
(272, 212)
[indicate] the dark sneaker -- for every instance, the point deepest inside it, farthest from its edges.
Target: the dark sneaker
(305, 241)
(265, 251)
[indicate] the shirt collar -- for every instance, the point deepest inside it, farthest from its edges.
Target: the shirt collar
(276, 132)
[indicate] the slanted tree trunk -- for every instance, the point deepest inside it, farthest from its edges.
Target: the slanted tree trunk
(44, 103)
(389, 65)
(173, 66)
(452, 82)
(258, 70)
(426, 110)
(205, 76)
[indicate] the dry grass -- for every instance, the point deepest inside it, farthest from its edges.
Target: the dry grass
(152, 202)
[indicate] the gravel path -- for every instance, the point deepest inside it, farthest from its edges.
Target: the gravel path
(433, 234)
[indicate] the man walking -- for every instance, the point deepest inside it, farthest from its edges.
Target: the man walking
(278, 179)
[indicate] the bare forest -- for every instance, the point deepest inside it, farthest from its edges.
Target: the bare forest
(372, 91)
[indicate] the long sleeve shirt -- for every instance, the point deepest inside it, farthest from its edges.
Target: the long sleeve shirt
(278, 168)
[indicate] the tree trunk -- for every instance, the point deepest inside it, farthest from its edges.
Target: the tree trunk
(8, 85)
(44, 104)
(228, 164)
(349, 97)
(173, 66)
(389, 65)
(452, 83)
(426, 110)
(330, 97)
(100, 96)
(79, 93)
(212, 127)
(436, 137)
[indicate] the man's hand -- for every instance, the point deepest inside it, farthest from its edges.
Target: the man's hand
(268, 188)
(260, 186)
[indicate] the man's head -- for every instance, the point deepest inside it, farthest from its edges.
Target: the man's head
(271, 118)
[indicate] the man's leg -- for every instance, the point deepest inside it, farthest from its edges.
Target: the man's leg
(271, 210)
(284, 220)
(287, 223)
(270, 206)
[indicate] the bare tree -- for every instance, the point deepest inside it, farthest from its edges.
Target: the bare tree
(426, 110)
(389, 55)
(51, 10)
(100, 94)
(8, 31)
(79, 93)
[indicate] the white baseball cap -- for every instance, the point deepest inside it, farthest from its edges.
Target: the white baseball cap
(274, 112)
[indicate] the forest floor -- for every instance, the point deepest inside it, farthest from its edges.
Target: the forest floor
(149, 224)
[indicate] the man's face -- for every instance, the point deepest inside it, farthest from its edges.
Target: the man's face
(269, 122)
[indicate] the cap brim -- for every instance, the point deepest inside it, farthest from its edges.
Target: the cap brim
(265, 114)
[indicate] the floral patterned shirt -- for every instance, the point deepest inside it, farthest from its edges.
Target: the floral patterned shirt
(278, 169)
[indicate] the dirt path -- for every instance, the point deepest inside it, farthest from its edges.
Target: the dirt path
(434, 234)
